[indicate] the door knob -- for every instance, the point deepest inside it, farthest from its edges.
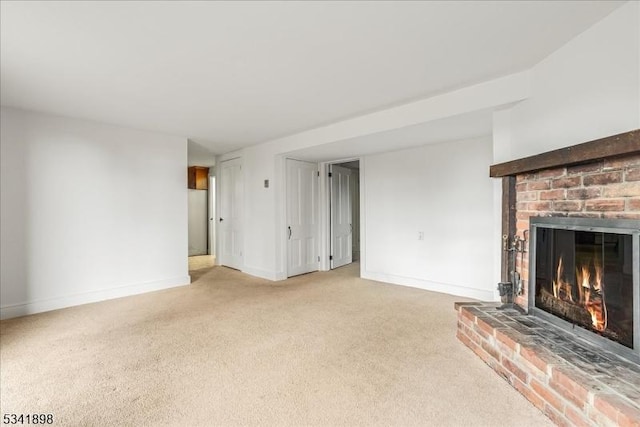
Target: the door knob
(221, 219)
(289, 232)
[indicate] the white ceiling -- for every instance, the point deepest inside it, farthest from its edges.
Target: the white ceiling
(232, 74)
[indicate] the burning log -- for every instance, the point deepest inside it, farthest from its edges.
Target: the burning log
(596, 309)
(566, 309)
(589, 293)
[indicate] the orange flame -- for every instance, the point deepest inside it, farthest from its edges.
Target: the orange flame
(562, 288)
(595, 304)
(589, 289)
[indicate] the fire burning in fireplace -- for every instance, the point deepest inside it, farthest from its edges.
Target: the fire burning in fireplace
(588, 292)
(586, 278)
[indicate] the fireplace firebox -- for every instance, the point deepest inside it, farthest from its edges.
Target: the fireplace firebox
(585, 277)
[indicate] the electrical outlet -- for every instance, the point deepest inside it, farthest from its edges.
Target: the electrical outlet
(420, 235)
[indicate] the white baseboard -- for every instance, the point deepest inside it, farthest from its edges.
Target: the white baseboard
(39, 306)
(263, 274)
(462, 291)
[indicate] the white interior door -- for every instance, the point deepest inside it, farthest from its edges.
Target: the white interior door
(355, 215)
(212, 215)
(302, 217)
(230, 219)
(341, 226)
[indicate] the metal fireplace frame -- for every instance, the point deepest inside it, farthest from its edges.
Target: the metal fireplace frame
(619, 226)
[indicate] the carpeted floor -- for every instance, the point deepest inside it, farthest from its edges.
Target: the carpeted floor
(199, 262)
(324, 349)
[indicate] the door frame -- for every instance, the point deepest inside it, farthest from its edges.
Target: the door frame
(325, 212)
(323, 218)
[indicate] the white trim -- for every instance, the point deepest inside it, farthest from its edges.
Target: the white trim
(264, 274)
(281, 239)
(32, 307)
(463, 291)
(363, 217)
(323, 218)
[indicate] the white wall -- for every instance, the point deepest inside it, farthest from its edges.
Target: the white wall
(587, 89)
(261, 256)
(444, 191)
(264, 210)
(88, 212)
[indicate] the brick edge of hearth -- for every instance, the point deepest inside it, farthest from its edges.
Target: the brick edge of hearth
(561, 391)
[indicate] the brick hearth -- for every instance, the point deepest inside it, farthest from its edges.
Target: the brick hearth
(572, 381)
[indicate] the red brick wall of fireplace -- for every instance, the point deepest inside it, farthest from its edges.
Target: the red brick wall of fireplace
(602, 189)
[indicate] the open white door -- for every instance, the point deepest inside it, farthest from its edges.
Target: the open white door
(212, 215)
(302, 217)
(230, 219)
(341, 228)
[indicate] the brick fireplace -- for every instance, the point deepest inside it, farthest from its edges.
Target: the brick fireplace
(601, 189)
(573, 381)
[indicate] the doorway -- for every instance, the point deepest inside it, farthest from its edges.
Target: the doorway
(201, 205)
(201, 210)
(198, 223)
(344, 213)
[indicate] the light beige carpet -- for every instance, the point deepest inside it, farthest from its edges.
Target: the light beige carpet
(198, 262)
(324, 349)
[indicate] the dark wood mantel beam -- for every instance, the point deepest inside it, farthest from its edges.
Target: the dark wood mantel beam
(611, 146)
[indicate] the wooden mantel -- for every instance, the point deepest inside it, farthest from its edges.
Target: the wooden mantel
(611, 146)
